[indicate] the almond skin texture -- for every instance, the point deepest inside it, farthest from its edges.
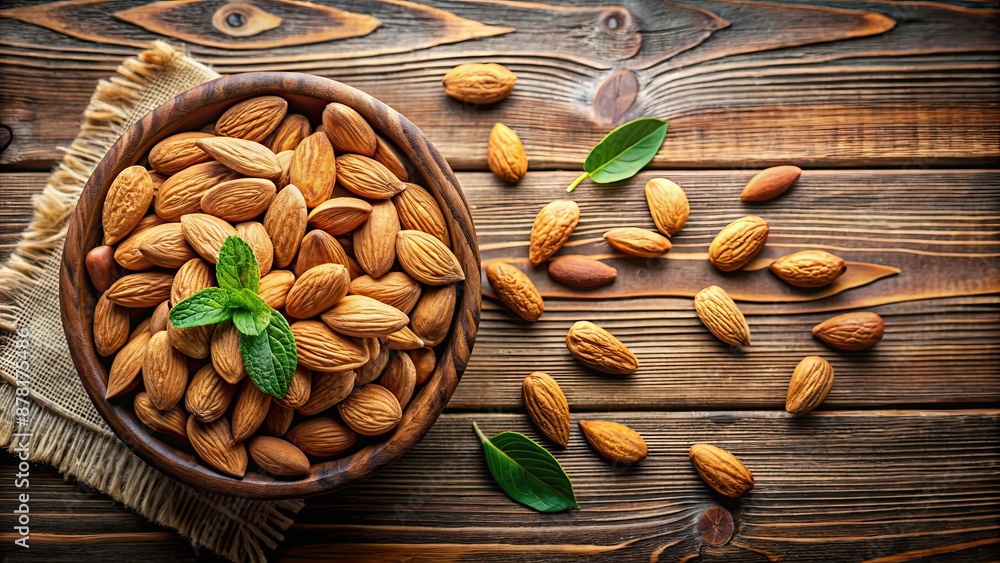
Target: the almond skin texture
(419, 211)
(128, 198)
(599, 350)
(249, 410)
(425, 361)
(177, 152)
(364, 317)
(321, 349)
(371, 410)
(165, 246)
(111, 326)
(738, 243)
(192, 277)
(138, 291)
(102, 268)
(274, 288)
(327, 390)
(316, 290)
(227, 358)
(431, 318)
(391, 158)
(580, 271)
(206, 234)
(810, 384)
(129, 256)
(172, 422)
(239, 200)
(254, 234)
(516, 290)
(668, 204)
(614, 441)
(124, 373)
(160, 317)
(505, 154)
(322, 437)
(318, 248)
(809, 268)
(314, 169)
(289, 134)
(478, 83)
(348, 131)
(375, 240)
(720, 315)
(634, 241)
(278, 457)
(193, 341)
(182, 192)
(246, 157)
(208, 396)
(547, 406)
(279, 419)
(164, 372)
(285, 223)
(340, 215)
(213, 443)
(721, 470)
(395, 289)
(298, 389)
(400, 377)
(367, 177)
(851, 331)
(404, 339)
(552, 228)
(378, 352)
(427, 259)
(770, 183)
(254, 119)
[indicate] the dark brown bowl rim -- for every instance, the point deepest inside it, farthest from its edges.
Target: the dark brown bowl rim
(77, 295)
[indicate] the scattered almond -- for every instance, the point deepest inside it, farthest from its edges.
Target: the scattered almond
(851, 331)
(515, 290)
(720, 315)
(738, 243)
(552, 228)
(810, 384)
(721, 470)
(638, 242)
(614, 441)
(809, 268)
(580, 271)
(478, 83)
(547, 406)
(599, 350)
(505, 154)
(770, 183)
(668, 204)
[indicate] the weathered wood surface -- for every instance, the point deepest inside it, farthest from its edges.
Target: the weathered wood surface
(858, 486)
(827, 83)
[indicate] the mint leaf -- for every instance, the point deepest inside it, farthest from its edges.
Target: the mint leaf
(270, 357)
(250, 322)
(237, 267)
(208, 306)
(623, 152)
(247, 299)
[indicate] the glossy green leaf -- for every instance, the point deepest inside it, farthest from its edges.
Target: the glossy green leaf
(527, 472)
(270, 356)
(237, 266)
(208, 306)
(624, 151)
(252, 322)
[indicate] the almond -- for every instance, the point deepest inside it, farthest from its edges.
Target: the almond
(479, 83)
(319, 248)
(321, 349)
(165, 246)
(243, 156)
(668, 204)
(348, 131)
(171, 421)
(102, 268)
(505, 154)
(298, 389)
(255, 235)
(126, 203)
(192, 277)
(809, 268)
(431, 318)
(285, 223)
(138, 291)
(371, 410)
(239, 200)
(638, 242)
(367, 177)
(124, 373)
(738, 243)
(404, 339)
(193, 342)
(395, 289)
(227, 357)
(128, 254)
(375, 239)
(160, 318)
(515, 290)
(177, 152)
(721, 470)
(327, 390)
(378, 352)
(720, 315)
(424, 361)
(770, 183)
(547, 406)
(322, 437)
(314, 169)
(279, 419)
(599, 350)
(419, 211)
(148, 222)
(182, 192)
(164, 372)
(427, 259)
(614, 441)
(274, 288)
(206, 234)
(278, 457)
(340, 215)
(316, 290)
(391, 158)
(252, 119)
(249, 410)
(285, 160)
(290, 132)
(851, 331)
(213, 443)
(552, 228)
(400, 377)
(363, 317)
(580, 271)
(810, 384)
(111, 326)
(208, 395)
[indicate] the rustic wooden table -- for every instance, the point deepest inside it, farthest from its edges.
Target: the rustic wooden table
(892, 109)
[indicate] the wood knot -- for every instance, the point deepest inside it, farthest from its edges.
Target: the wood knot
(716, 526)
(239, 19)
(6, 136)
(615, 21)
(615, 96)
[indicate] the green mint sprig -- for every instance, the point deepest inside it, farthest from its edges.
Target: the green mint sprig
(623, 152)
(266, 341)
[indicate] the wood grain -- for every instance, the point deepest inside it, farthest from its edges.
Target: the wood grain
(824, 84)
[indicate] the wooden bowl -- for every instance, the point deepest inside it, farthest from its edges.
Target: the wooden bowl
(191, 110)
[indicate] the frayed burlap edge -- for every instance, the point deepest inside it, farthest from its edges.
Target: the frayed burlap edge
(236, 528)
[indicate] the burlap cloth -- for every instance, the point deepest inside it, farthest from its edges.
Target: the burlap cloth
(66, 430)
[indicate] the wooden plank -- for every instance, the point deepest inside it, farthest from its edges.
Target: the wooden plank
(828, 83)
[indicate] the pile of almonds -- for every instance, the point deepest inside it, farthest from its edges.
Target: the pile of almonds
(355, 256)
